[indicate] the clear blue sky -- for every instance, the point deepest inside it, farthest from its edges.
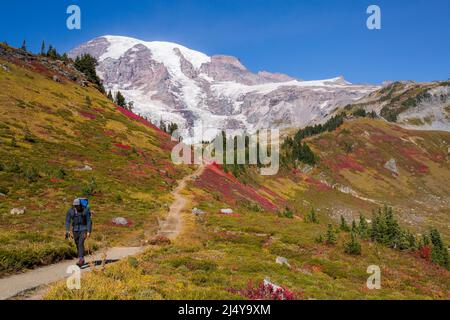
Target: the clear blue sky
(307, 39)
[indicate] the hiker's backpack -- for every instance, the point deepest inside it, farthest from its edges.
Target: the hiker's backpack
(84, 203)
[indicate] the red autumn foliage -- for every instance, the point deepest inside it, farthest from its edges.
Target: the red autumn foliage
(166, 143)
(55, 180)
(342, 162)
(87, 115)
(134, 116)
(425, 253)
(423, 169)
(266, 292)
(110, 133)
(122, 147)
(231, 189)
(320, 186)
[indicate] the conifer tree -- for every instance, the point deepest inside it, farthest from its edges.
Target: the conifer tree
(87, 64)
(24, 46)
(43, 48)
(312, 216)
(353, 247)
(439, 252)
(344, 226)
(363, 227)
(330, 238)
(120, 100)
(354, 227)
(110, 96)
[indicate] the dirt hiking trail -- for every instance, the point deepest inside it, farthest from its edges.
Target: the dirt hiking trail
(31, 284)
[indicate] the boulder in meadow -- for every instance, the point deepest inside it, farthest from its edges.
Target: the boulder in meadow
(18, 211)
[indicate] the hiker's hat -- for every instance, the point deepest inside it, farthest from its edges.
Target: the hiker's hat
(77, 202)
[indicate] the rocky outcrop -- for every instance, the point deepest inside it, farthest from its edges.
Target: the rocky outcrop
(391, 165)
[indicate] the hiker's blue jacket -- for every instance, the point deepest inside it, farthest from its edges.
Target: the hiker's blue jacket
(81, 221)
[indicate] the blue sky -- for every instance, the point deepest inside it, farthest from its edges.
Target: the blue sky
(312, 39)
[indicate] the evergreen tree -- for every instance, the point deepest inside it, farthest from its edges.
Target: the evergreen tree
(65, 57)
(43, 48)
(86, 64)
(163, 126)
(363, 227)
(312, 217)
(120, 100)
(110, 96)
(353, 247)
(172, 128)
(330, 237)
(439, 251)
(354, 227)
(344, 226)
(24, 46)
(130, 106)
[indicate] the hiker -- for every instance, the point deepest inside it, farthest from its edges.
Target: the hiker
(80, 217)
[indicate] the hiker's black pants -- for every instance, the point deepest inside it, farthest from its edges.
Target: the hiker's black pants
(80, 238)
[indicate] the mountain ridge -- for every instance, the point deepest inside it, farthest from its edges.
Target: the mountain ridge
(172, 83)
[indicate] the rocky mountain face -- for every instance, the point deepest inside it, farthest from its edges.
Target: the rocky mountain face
(424, 106)
(169, 82)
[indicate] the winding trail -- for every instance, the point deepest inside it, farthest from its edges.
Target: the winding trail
(37, 279)
(171, 227)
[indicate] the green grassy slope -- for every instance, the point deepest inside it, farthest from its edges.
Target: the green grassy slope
(48, 131)
(220, 256)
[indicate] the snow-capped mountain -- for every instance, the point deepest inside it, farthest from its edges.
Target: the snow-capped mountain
(170, 82)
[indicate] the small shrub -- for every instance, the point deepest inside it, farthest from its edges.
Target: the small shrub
(133, 262)
(344, 226)
(353, 247)
(319, 239)
(265, 292)
(28, 137)
(287, 213)
(15, 168)
(312, 217)
(118, 198)
(13, 142)
(90, 189)
(330, 238)
(31, 174)
(61, 174)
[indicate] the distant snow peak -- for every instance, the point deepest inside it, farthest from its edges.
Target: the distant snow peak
(170, 82)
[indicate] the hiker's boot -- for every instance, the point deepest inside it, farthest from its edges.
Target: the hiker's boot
(81, 263)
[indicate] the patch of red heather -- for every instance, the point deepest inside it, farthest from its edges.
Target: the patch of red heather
(320, 186)
(274, 195)
(423, 169)
(437, 157)
(374, 155)
(323, 143)
(409, 154)
(123, 147)
(360, 153)
(135, 170)
(342, 162)
(55, 180)
(110, 133)
(38, 67)
(378, 138)
(134, 116)
(231, 190)
(87, 115)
